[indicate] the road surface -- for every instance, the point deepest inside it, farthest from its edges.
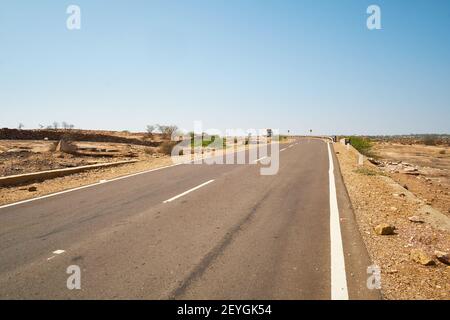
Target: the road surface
(193, 232)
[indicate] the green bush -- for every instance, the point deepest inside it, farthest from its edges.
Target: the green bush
(363, 145)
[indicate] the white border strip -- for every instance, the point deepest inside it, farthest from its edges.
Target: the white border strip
(339, 289)
(189, 191)
(87, 186)
(257, 160)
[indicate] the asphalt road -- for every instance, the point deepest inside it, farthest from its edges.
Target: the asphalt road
(191, 232)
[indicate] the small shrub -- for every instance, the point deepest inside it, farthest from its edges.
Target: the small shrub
(167, 147)
(366, 171)
(430, 141)
(442, 151)
(363, 145)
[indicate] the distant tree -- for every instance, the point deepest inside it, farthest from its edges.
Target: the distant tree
(55, 125)
(67, 126)
(40, 126)
(167, 131)
(21, 126)
(150, 129)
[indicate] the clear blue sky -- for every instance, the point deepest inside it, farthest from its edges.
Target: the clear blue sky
(295, 65)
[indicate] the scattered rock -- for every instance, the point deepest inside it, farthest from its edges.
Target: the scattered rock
(384, 229)
(443, 257)
(416, 219)
(65, 146)
(406, 187)
(421, 257)
(399, 195)
(412, 173)
(394, 209)
(392, 271)
(32, 189)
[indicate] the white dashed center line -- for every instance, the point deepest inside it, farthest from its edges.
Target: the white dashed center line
(190, 190)
(257, 160)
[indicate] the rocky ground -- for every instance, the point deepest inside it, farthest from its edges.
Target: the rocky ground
(405, 237)
(18, 193)
(19, 157)
(425, 170)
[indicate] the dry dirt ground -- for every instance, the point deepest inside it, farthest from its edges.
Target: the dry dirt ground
(376, 199)
(431, 181)
(18, 156)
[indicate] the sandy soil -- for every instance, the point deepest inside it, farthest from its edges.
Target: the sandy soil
(18, 157)
(432, 181)
(375, 200)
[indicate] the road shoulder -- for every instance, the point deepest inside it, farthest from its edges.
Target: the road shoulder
(357, 260)
(376, 202)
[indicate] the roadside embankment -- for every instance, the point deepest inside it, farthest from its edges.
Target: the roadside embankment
(402, 233)
(21, 179)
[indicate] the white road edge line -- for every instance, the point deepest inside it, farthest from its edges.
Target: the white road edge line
(339, 289)
(87, 186)
(94, 184)
(188, 191)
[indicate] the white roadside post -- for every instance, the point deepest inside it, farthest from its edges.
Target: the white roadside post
(360, 160)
